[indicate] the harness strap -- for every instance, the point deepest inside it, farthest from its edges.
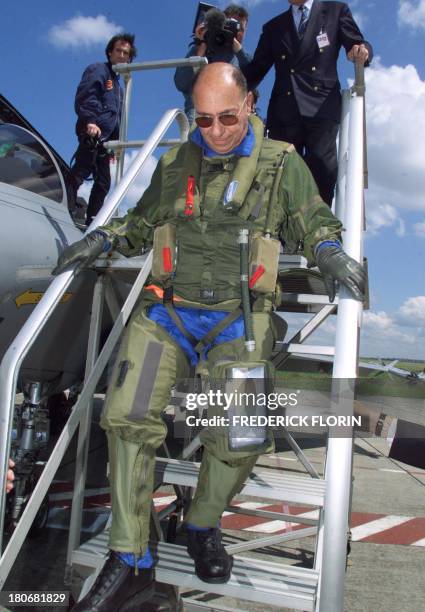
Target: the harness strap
(168, 303)
(258, 205)
(217, 329)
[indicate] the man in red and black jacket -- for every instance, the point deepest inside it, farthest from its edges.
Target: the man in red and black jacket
(98, 103)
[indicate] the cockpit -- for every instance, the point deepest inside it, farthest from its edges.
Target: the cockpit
(27, 164)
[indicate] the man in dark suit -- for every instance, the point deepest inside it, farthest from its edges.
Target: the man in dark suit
(303, 43)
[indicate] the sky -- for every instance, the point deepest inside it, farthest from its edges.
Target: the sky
(45, 47)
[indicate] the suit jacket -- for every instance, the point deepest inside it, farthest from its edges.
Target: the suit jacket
(306, 81)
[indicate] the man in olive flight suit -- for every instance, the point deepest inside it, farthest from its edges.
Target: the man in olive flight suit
(225, 179)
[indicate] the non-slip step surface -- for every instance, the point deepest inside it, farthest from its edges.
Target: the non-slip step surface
(266, 484)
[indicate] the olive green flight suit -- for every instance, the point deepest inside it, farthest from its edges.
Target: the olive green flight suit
(228, 194)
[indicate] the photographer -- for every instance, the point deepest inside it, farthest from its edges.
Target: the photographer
(219, 39)
(98, 103)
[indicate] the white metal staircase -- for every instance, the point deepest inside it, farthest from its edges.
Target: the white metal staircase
(320, 588)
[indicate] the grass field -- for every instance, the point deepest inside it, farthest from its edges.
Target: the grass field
(375, 383)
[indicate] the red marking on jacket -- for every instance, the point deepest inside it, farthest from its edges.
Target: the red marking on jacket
(190, 194)
(257, 274)
(167, 260)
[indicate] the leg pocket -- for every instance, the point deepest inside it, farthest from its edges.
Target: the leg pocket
(148, 365)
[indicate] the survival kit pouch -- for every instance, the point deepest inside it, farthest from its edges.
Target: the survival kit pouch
(263, 263)
(245, 387)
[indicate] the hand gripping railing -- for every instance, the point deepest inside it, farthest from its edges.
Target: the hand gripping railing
(339, 454)
(16, 353)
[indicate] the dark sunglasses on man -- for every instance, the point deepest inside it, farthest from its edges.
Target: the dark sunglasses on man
(227, 119)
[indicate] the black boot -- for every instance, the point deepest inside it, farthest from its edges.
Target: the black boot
(117, 588)
(212, 563)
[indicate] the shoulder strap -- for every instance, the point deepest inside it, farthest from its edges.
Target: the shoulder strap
(246, 167)
(273, 192)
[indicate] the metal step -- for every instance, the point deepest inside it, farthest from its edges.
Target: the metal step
(303, 289)
(196, 605)
(257, 580)
(291, 260)
(266, 484)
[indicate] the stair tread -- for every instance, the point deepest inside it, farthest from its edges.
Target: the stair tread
(258, 580)
(266, 484)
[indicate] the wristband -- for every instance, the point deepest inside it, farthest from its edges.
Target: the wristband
(327, 243)
(107, 244)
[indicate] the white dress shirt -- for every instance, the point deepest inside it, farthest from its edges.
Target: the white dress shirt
(296, 13)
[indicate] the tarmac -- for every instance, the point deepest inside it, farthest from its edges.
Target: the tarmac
(386, 566)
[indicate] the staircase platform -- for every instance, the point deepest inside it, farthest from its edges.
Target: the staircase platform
(258, 580)
(303, 289)
(264, 484)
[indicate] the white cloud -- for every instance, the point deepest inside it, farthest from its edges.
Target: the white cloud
(411, 13)
(379, 321)
(360, 19)
(413, 311)
(140, 183)
(383, 327)
(84, 190)
(82, 31)
(395, 100)
(399, 334)
(383, 334)
(383, 215)
(419, 229)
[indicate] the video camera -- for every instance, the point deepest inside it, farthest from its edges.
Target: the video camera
(219, 31)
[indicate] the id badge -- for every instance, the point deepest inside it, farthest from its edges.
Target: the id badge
(322, 40)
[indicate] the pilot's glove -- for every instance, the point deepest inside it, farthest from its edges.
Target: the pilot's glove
(337, 267)
(85, 251)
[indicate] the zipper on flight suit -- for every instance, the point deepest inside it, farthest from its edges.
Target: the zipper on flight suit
(133, 503)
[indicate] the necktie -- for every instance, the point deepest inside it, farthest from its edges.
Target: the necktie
(304, 20)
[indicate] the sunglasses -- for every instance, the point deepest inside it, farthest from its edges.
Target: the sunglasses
(227, 119)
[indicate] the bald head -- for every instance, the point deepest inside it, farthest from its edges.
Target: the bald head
(220, 97)
(220, 75)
